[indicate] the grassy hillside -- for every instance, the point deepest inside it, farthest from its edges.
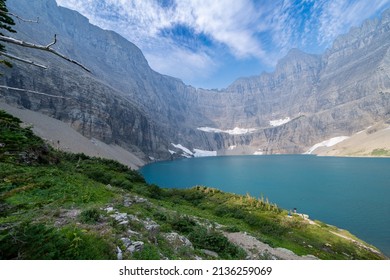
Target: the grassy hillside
(56, 205)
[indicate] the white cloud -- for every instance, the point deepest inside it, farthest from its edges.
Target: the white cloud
(312, 25)
(141, 22)
(339, 16)
(182, 63)
(262, 30)
(229, 22)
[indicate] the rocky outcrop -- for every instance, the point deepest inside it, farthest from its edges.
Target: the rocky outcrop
(124, 102)
(338, 93)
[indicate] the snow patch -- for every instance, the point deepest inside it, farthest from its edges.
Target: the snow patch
(238, 131)
(202, 153)
(171, 152)
(210, 129)
(232, 147)
(184, 149)
(197, 152)
(279, 121)
(186, 155)
(327, 143)
(259, 152)
(234, 131)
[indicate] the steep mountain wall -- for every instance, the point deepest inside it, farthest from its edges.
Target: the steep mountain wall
(308, 98)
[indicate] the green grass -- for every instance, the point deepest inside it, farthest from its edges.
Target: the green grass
(380, 153)
(39, 241)
(51, 207)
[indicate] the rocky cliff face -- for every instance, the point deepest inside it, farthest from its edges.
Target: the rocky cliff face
(338, 93)
(121, 101)
(308, 98)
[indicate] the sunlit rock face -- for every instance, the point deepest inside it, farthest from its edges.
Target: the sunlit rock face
(306, 100)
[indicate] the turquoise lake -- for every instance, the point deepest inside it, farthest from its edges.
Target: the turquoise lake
(350, 193)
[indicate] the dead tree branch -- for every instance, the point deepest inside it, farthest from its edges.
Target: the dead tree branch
(40, 47)
(32, 91)
(52, 43)
(20, 18)
(22, 60)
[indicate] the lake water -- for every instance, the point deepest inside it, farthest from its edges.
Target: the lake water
(350, 193)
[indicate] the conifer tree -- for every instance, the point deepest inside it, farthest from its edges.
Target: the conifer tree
(6, 23)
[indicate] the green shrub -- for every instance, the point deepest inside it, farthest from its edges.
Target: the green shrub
(232, 229)
(74, 157)
(149, 252)
(183, 224)
(223, 211)
(99, 176)
(203, 238)
(152, 191)
(265, 226)
(40, 242)
(193, 196)
(121, 183)
(33, 242)
(233, 212)
(160, 216)
(380, 152)
(20, 145)
(135, 176)
(90, 216)
(112, 164)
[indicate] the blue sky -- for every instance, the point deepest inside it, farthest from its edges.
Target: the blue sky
(211, 43)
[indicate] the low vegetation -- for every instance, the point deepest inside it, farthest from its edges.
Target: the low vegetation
(56, 205)
(381, 153)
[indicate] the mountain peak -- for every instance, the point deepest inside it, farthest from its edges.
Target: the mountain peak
(357, 34)
(295, 52)
(297, 61)
(385, 16)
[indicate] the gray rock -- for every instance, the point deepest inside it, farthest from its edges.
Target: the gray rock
(119, 217)
(119, 254)
(127, 202)
(133, 218)
(136, 246)
(123, 101)
(131, 232)
(138, 199)
(177, 241)
(210, 253)
(109, 209)
(152, 227)
(126, 242)
(132, 246)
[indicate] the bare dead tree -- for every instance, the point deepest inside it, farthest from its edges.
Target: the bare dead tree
(22, 60)
(6, 22)
(32, 91)
(25, 20)
(20, 18)
(47, 48)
